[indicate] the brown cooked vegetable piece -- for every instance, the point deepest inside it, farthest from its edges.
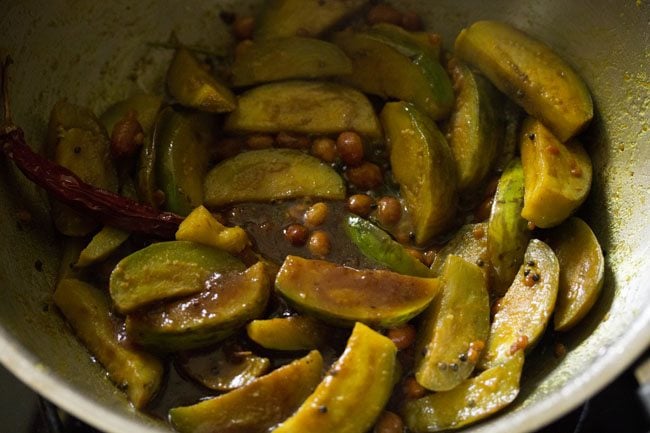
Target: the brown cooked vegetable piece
(582, 269)
(342, 296)
(526, 308)
(557, 176)
(459, 317)
(256, 407)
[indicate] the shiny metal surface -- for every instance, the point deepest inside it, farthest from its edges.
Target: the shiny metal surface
(96, 52)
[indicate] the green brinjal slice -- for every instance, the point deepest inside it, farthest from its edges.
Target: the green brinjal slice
(524, 312)
(424, 168)
(306, 107)
(282, 18)
(508, 232)
(88, 311)
(289, 333)
(557, 176)
(228, 302)
(362, 378)
(452, 326)
(192, 85)
(470, 243)
(475, 129)
(382, 68)
(582, 269)
(77, 141)
(182, 140)
(271, 174)
(288, 58)
(471, 401)
(377, 245)
(102, 245)
(257, 406)
(343, 296)
(530, 73)
(223, 369)
(409, 43)
(166, 270)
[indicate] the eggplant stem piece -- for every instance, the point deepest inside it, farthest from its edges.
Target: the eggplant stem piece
(105, 206)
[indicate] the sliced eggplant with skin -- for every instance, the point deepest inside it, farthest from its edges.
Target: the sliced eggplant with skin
(287, 59)
(363, 377)
(282, 18)
(382, 69)
(102, 245)
(450, 326)
(308, 107)
(77, 141)
(193, 86)
(530, 73)
(182, 140)
(257, 406)
(166, 270)
(342, 296)
(423, 166)
(271, 174)
(288, 333)
(224, 368)
(228, 302)
(377, 245)
(557, 176)
(88, 311)
(471, 401)
(407, 42)
(582, 270)
(475, 128)
(508, 232)
(524, 312)
(64, 116)
(470, 243)
(513, 117)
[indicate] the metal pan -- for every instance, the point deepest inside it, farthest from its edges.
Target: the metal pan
(94, 52)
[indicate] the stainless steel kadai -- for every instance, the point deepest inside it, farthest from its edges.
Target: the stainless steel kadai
(97, 52)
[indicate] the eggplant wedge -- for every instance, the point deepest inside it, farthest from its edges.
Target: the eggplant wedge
(476, 128)
(288, 59)
(557, 176)
(530, 73)
(307, 107)
(582, 270)
(228, 302)
(362, 377)
(508, 232)
(282, 18)
(452, 326)
(193, 86)
(382, 68)
(523, 313)
(271, 174)
(257, 406)
(424, 168)
(88, 311)
(471, 401)
(342, 296)
(182, 140)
